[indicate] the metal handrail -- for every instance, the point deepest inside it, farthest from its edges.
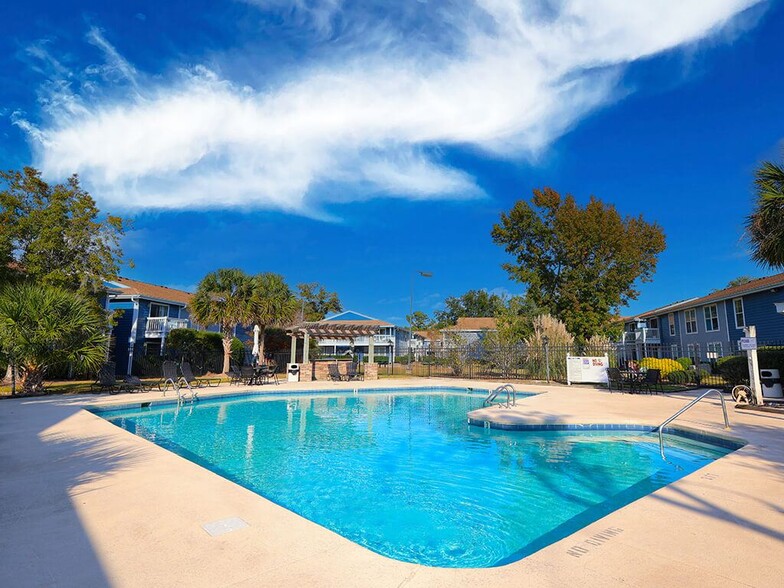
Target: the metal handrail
(511, 395)
(667, 421)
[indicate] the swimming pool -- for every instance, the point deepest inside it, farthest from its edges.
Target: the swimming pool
(404, 475)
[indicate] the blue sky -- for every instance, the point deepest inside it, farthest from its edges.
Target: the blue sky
(352, 143)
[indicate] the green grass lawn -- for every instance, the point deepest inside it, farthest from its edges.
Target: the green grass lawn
(66, 387)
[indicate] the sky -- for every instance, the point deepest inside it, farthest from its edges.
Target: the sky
(355, 143)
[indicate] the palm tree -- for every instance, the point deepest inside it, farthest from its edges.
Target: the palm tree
(224, 298)
(273, 304)
(42, 327)
(766, 224)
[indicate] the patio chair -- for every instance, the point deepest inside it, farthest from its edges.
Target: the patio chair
(171, 377)
(615, 379)
(652, 382)
(334, 372)
(235, 375)
(187, 373)
(352, 372)
(107, 380)
(269, 373)
(248, 375)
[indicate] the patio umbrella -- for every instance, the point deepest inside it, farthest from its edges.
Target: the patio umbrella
(256, 331)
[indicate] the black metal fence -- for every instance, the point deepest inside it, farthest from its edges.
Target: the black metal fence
(712, 365)
(695, 365)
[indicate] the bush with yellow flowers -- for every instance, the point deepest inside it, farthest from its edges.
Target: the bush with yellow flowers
(664, 365)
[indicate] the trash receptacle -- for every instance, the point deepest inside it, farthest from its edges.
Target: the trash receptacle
(771, 384)
(293, 372)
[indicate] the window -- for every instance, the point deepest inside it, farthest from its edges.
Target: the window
(158, 310)
(152, 348)
(740, 316)
(673, 351)
(711, 318)
(671, 321)
(693, 350)
(653, 323)
(690, 317)
(714, 348)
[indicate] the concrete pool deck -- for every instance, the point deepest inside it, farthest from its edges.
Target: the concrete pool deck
(85, 503)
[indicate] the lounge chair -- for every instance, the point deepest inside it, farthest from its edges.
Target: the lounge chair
(187, 373)
(652, 381)
(171, 377)
(334, 372)
(107, 380)
(134, 384)
(352, 372)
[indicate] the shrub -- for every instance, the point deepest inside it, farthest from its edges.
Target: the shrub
(237, 350)
(379, 359)
(734, 370)
(560, 339)
(679, 377)
(685, 362)
(664, 365)
(202, 349)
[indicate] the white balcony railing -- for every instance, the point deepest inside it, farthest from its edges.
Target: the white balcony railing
(642, 335)
(360, 341)
(159, 326)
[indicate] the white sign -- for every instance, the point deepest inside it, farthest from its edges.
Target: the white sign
(586, 369)
(748, 343)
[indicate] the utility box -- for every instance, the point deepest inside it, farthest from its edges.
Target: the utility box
(771, 384)
(292, 371)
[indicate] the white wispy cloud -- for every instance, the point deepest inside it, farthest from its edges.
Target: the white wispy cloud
(505, 77)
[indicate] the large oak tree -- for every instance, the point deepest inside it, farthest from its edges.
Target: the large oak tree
(55, 235)
(581, 264)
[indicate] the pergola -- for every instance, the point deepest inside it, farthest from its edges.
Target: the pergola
(330, 330)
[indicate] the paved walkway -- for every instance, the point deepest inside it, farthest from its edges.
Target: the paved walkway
(85, 503)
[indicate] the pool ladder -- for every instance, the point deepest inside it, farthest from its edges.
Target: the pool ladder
(511, 396)
(181, 398)
(660, 428)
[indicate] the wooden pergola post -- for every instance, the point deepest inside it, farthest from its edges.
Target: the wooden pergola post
(331, 330)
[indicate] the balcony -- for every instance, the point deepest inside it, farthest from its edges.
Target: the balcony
(159, 326)
(642, 335)
(360, 341)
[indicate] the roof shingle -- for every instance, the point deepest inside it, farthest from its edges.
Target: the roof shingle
(153, 291)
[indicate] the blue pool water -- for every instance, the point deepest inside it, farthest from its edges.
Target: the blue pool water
(406, 476)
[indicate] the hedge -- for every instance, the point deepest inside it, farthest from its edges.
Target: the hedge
(685, 362)
(735, 369)
(679, 377)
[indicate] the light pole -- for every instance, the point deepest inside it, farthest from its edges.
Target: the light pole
(411, 314)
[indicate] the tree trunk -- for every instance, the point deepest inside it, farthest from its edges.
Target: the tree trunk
(9, 379)
(32, 381)
(227, 352)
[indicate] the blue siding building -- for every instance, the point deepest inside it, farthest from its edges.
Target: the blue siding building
(147, 314)
(708, 327)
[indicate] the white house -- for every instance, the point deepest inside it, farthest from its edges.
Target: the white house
(390, 340)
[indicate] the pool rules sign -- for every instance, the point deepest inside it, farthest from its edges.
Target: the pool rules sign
(582, 369)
